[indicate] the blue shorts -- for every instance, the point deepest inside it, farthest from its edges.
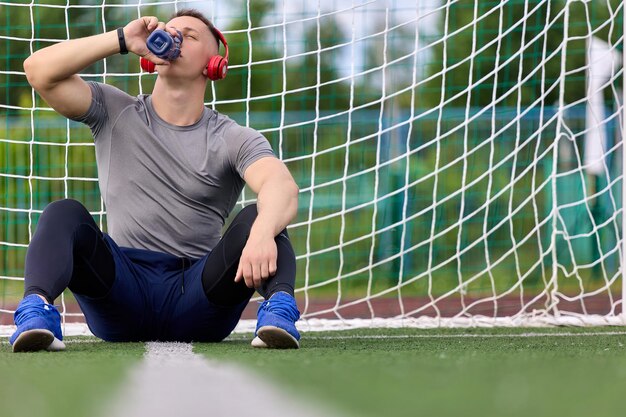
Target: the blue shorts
(148, 301)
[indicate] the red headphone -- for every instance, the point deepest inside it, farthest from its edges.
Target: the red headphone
(217, 66)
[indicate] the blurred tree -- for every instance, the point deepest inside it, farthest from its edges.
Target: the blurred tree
(258, 85)
(251, 79)
(544, 35)
(50, 25)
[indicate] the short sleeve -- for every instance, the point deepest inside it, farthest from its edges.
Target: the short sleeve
(246, 146)
(96, 115)
(107, 102)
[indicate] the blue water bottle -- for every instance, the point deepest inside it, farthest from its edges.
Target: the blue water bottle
(164, 45)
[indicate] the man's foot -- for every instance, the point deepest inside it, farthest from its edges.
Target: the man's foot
(38, 326)
(276, 320)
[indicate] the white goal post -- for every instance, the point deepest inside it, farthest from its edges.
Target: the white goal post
(460, 163)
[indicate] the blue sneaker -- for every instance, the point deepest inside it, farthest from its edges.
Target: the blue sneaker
(38, 326)
(276, 319)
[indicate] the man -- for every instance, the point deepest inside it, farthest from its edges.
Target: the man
(170, 171)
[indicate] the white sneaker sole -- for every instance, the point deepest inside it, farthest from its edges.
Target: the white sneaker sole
(258, 343)
(56, 346)
(33, 340)
(277, 338)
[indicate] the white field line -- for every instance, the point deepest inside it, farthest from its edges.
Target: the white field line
(308, 336)
(173, 381)
(451, 336)
(5, 341)
(319, 325)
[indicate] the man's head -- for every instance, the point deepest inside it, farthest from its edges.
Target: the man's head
(200, 42)
(198, 15)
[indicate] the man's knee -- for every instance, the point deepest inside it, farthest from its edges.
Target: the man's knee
(246, 217)
(63, 208)
(63, 216)
(247, 214)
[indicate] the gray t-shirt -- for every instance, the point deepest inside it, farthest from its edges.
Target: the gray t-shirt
(167, 188)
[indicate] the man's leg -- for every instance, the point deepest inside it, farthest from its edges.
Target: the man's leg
(218, 276)
(67, 250)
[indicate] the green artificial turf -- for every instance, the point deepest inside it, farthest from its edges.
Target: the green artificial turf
(448, 372)
(375, 372)
(74, 383)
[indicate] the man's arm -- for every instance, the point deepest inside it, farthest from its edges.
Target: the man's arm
(277, 205)
(52, 71)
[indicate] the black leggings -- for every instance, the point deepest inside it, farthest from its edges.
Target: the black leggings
(68, 250)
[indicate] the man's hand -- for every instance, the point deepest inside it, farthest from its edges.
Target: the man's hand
(137, 32)
(258, 261)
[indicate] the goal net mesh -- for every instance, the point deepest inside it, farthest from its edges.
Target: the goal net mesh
(459, 162)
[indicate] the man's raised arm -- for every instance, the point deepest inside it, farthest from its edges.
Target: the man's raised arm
(52, 71)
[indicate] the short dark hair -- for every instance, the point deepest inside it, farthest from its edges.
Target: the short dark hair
(198, 15)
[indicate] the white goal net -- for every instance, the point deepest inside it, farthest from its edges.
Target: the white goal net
(460, 163)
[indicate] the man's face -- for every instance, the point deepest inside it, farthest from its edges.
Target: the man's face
(198, 45)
